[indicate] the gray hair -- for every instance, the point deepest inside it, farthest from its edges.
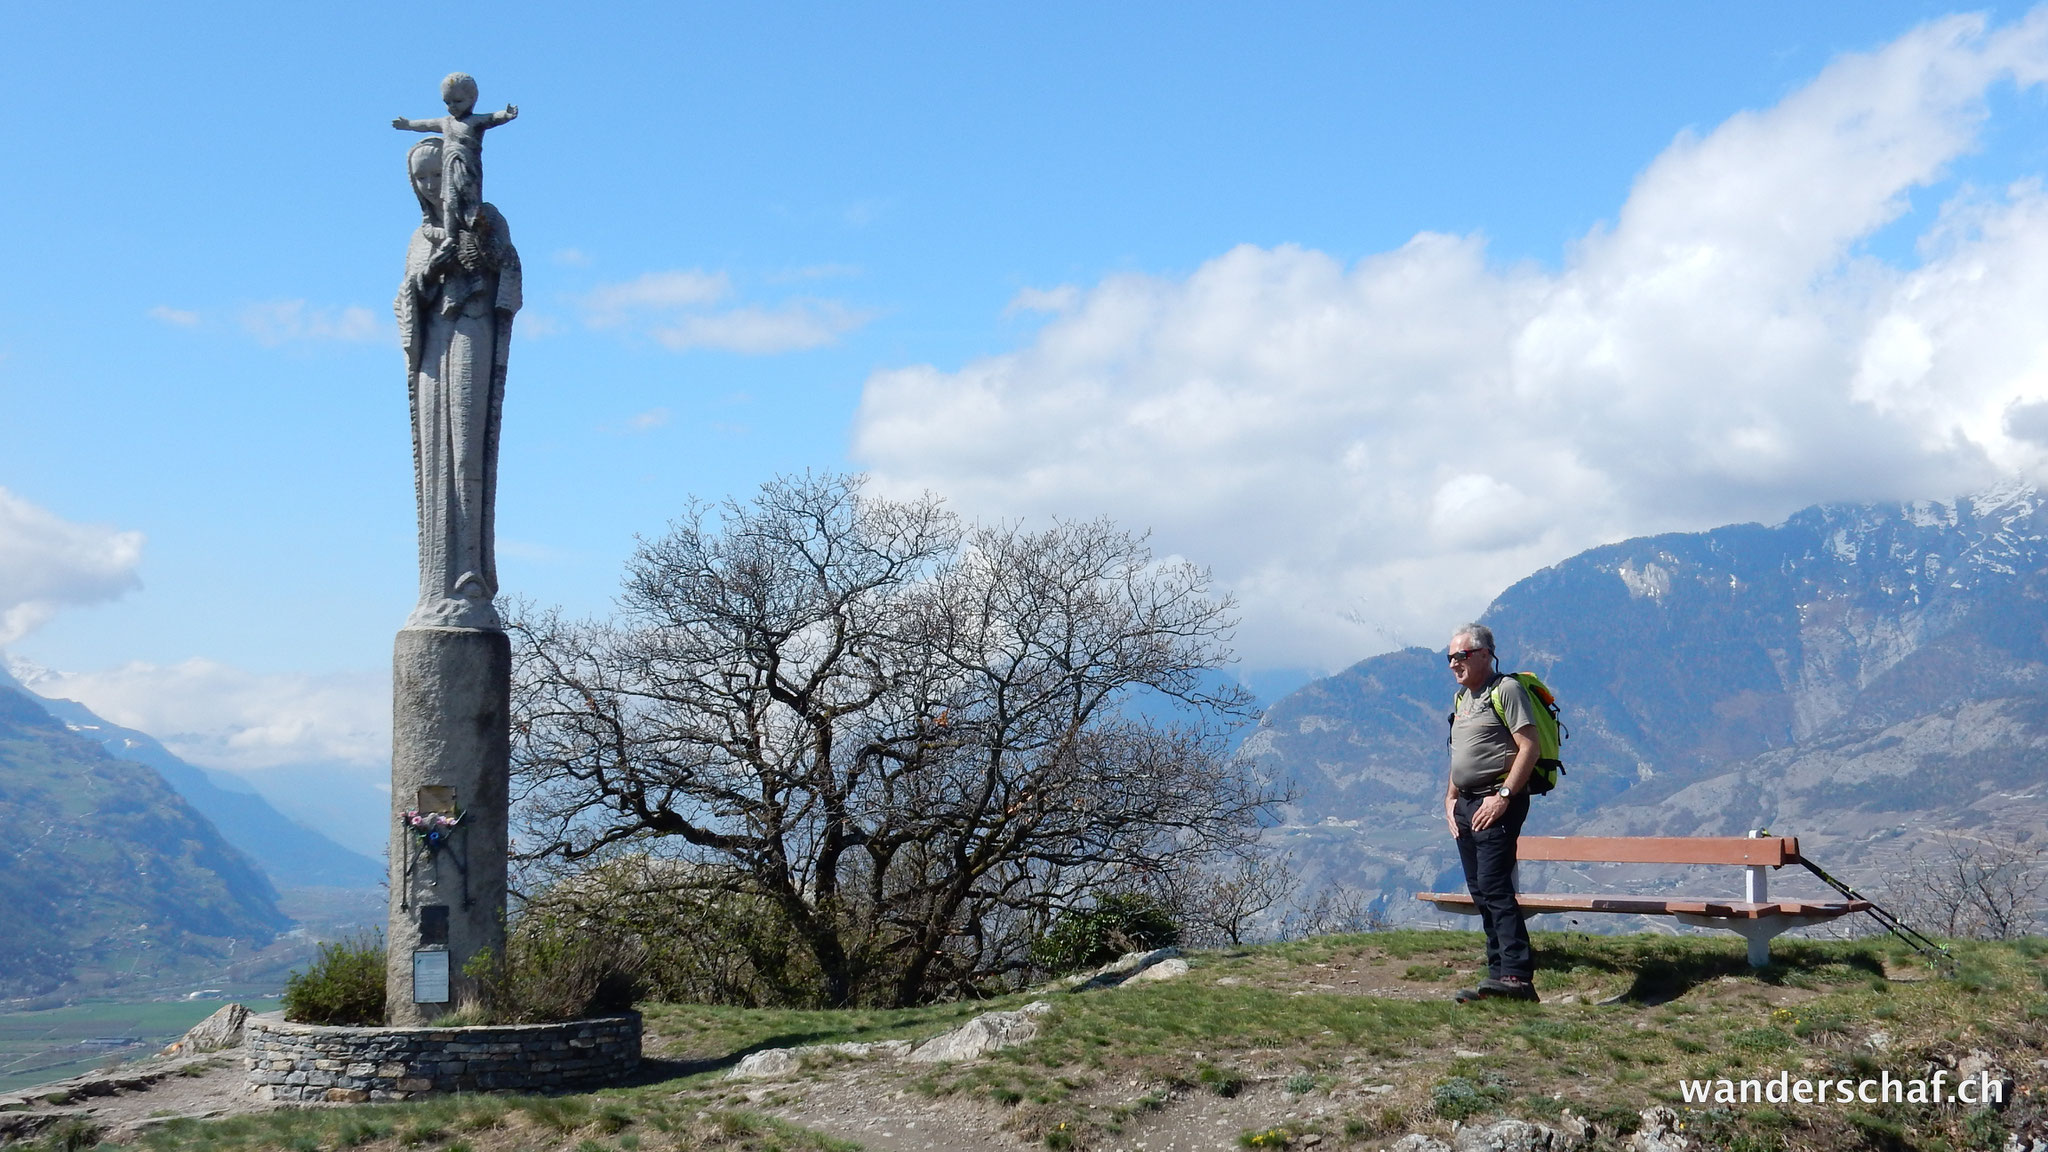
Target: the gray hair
(1480, 635)
(458, 82)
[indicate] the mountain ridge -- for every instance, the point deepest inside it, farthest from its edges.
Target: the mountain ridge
(1864, 676)
(290, 853)
(104, 867)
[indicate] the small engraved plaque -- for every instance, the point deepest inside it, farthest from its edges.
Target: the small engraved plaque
(437, 798)
(434, 925)
(430, 976)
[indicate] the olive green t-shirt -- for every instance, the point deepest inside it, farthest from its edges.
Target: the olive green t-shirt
(1483, 748)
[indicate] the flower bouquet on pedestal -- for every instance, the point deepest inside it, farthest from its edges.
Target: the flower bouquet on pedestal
(432, 828)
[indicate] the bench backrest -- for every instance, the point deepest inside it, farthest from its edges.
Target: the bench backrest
(1773, 851)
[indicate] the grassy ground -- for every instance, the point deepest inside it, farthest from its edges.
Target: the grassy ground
(38, 1047)
(1351, 1040)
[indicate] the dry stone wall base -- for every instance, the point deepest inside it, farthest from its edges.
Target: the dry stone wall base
(358, 1065)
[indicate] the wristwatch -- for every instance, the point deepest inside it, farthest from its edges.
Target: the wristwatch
(1504, 792)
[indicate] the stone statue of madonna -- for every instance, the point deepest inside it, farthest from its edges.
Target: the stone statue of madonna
(455, 313)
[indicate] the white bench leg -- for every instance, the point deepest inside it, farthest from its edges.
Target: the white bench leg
(1758, 931)
(1759, 949)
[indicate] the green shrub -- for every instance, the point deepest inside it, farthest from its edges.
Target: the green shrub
(556, 966)
(1225, 1082)
(695, 934)
(344, 985)
(1460, 1098)
(1118, 923)
(72, 1136)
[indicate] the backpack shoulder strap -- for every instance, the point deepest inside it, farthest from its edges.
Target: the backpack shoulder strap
(1500, 710)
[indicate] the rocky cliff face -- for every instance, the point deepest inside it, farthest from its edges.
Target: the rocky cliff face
(1860, 676)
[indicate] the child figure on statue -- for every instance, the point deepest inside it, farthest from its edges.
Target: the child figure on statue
(462, 149)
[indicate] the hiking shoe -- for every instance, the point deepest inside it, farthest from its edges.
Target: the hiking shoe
(1507, 988)
(1468, 995)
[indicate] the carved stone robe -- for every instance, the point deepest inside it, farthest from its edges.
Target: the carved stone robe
(455, 313)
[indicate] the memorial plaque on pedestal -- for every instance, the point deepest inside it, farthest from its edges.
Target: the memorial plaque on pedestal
(430, 976)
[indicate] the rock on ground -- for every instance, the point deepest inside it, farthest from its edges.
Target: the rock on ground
(982, 1035)
(221, 1030)
(1499, 1136)
(977, 1038)
(1515, 1136)
(1659, 1133)
(773, 1062)
(1163, 970)
(1125, 968)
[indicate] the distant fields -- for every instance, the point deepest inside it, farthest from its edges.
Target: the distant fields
(38, 1047)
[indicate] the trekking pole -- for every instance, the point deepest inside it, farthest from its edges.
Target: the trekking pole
(1892, 924)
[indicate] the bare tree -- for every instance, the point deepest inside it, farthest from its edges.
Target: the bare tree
(914, 742)
(1226, 901)
(1984, 887)
(1335, 909)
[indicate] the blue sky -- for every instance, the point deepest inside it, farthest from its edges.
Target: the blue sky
(999, 252)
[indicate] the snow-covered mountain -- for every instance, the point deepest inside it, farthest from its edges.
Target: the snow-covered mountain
(1862, 676)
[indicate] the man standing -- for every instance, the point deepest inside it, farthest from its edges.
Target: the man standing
(1493, 755)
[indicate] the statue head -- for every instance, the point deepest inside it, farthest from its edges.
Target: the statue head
(423, 165)
(458, 91)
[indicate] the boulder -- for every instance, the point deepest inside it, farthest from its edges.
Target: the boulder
(1123, 968)
(221, 1030)
(1417, 1142)
(1514, 1136)
(1993, 1081)
(982, 1035)
(1163, 970)
(1659, 1133)
(773, 1062)
(888, 1049)
(764, 1064)
(972, 1040)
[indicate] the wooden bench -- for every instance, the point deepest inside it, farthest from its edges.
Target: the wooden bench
(1756, 917)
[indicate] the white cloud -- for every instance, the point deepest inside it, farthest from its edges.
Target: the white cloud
(610, 305)
(1376, 449)
(674, 308)
(47, 563)
(219, 716)
(1060, 299)
(792, 327)
(640, 422)
(277, 322)
(537, 326)
(176, 317)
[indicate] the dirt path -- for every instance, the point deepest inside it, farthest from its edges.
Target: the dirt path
(128, 1100)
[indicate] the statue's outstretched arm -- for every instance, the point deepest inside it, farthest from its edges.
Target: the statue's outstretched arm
(510, 114)
(406, 125)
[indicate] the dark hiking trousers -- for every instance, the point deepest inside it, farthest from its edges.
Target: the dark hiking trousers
(1489, 859)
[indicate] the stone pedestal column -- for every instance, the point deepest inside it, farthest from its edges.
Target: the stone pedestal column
(450, 749)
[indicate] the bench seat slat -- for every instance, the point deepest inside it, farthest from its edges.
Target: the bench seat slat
(1659, 906)
(1771, 851)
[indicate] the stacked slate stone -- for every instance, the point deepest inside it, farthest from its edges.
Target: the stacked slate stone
(358, 1065)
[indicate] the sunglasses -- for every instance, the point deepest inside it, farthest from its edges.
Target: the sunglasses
(1461, 657)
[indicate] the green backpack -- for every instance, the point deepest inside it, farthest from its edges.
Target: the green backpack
(1550, 734)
